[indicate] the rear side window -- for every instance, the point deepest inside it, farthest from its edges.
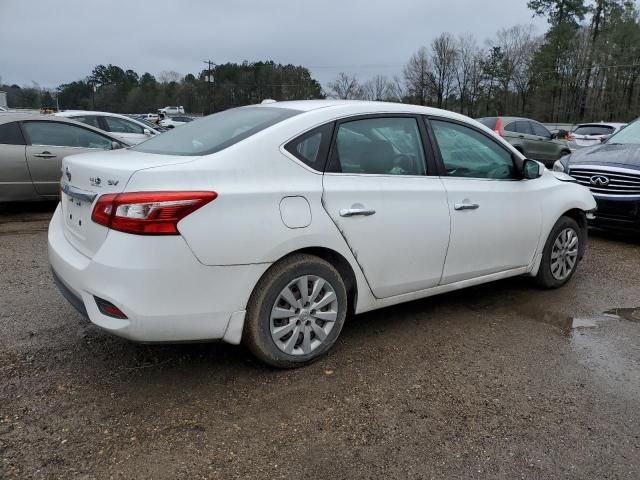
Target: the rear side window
(64, 135)
(312, 147)
(379, 146)
(216, 132)
(10, 134)
(594, 130)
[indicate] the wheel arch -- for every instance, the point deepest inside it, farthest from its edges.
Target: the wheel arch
(581, 219)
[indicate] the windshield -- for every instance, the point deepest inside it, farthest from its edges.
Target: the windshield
(630, 135)
(215, 132)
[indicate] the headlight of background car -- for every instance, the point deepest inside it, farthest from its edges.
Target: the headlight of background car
(562, 165)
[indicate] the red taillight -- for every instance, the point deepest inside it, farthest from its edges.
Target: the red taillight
(148, 213)
(498, 127)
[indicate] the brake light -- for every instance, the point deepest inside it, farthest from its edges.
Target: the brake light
(498, 127)
(148, 213)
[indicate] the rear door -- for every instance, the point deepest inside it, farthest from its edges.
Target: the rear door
(48, 142)
(15, 181)
(495, 216)
(393, 216)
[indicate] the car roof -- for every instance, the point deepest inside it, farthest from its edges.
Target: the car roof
(360, 107)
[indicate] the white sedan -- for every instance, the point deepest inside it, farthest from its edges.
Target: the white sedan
(122, 127)
(268, 224)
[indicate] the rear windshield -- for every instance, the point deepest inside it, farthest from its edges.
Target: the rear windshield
(594, 130)
(629, 135)
(488, 121)
(215, 132)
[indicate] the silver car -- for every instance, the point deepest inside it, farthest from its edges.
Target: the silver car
(589, 134)
(32, 148)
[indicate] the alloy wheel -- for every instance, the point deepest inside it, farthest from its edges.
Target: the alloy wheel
(303, 315)
(564, 254)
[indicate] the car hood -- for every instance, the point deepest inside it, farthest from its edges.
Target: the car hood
(627, 156)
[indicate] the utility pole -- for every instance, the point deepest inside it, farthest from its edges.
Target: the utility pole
(210, 87)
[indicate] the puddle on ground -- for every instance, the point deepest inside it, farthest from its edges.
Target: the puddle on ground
(631, 314)
(567, 323)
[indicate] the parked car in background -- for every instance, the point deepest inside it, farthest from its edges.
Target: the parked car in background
(176, 121)
(122, 127)
(32, 148)
(342, 207)
(171, 110)
(611, 170)
(588, 134)
(151, 117)
(529, 137)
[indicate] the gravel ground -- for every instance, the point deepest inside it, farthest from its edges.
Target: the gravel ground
(499, 381)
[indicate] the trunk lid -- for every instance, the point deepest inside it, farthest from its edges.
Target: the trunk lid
(86, 177)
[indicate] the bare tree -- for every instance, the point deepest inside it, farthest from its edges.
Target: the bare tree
(418, 76)
(168, 76)
(345, 87)
(466, 59)
(444, 54)
(378, 88)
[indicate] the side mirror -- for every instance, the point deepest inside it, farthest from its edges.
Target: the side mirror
(147, 132)
(116, 145)
(604, 139)
(532, 169)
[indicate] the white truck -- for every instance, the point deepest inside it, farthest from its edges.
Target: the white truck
(168, 111)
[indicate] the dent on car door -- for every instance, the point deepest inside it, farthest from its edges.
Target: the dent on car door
(393, 216)
(495, 216)
(15, 181)
(49, 142)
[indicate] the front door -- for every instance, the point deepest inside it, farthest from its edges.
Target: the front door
(392, 215)
(48, 142)
(495, 216)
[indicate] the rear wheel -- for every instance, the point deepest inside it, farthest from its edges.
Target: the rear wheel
(562, 253)
(296, 312)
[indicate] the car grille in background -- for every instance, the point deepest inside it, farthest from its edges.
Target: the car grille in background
(618, 183)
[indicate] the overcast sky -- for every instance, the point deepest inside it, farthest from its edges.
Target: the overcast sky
(58, 41)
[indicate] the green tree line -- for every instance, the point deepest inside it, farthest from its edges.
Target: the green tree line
(111, 88)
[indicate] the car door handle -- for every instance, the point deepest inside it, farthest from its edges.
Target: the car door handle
(44, 155)
(466, 206)
(352, 212)
(520, 136)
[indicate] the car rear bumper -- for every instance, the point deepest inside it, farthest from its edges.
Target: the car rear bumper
(621, 213)
(166, 294)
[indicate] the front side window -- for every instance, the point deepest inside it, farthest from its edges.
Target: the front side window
(64, 135)
(10, 134)
(468, 153)
(380, 146)
(216, 132)
(312, 147)
(120, 125)
(540, 130)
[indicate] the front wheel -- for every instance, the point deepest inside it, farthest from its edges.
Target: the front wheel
(562, 253)
(296, 311)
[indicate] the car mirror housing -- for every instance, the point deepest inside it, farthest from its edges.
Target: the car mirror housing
(532, 169)
(116, 145)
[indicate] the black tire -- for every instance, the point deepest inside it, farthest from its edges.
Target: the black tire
(546, 278)
(257, 334)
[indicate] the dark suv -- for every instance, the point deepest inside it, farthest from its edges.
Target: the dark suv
(531, 138)
(612, 173)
